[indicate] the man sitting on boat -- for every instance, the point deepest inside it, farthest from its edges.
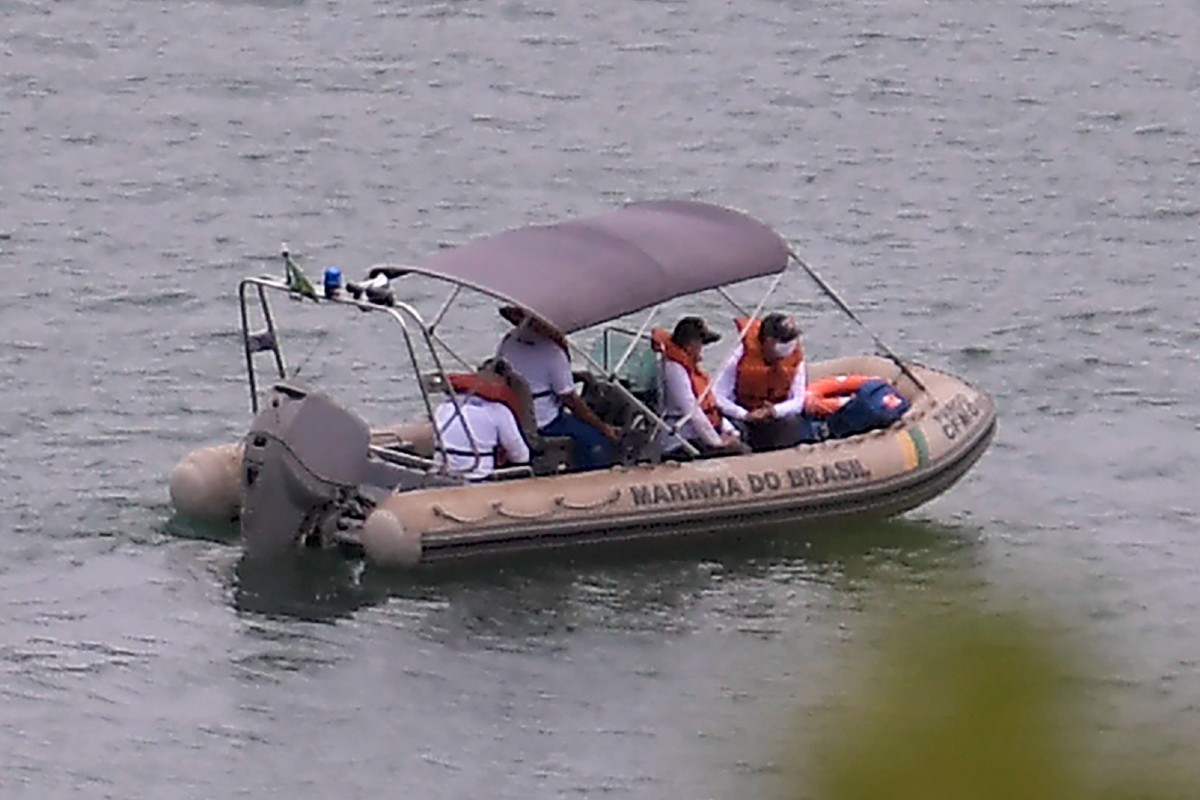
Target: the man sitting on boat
(483, 426)
(538, 353)
(762, 385)
(687, 403)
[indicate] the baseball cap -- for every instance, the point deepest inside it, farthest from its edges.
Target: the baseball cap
(517, 316)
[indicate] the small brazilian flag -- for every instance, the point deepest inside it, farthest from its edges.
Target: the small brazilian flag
(297, 281)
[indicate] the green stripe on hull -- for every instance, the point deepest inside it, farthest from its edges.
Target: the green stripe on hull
(922, 446)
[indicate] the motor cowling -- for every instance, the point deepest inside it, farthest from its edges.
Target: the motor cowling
(303, 458)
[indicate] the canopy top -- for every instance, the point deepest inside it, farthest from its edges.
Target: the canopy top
(581, 272)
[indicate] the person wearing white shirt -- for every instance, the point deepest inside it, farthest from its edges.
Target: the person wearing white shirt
(686, 402)
(481, 426)
(762, 384)
(538, 353)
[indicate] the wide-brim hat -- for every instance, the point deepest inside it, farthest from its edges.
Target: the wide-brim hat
(520, 316)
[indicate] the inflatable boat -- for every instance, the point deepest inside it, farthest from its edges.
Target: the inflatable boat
(311, 472)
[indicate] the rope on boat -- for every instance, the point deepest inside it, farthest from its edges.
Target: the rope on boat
(562, 502)
(440, 511)
(498, 507)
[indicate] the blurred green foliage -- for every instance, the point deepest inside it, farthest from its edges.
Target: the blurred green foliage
(971, 706)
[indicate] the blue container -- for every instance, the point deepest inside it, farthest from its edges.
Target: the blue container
(875, 405)
(333, 281)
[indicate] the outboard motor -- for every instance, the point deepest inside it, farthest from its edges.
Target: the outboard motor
(304, 459)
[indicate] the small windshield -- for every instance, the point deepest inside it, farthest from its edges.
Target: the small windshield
(638, 373)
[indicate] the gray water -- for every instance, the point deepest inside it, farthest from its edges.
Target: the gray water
(1006, 190)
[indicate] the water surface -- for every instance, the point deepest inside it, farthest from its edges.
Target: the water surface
(1005, 190)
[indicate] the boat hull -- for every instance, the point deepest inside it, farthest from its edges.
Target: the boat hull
(880, 473)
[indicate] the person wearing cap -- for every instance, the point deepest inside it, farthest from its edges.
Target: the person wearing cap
(482, 426)
(762, 384)
(687, 402)
(538, 353)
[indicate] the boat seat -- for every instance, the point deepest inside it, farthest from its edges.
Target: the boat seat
(550, 455)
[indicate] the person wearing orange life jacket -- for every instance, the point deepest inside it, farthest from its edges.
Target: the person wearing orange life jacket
(483, 426)
(762, 384)
(686, 401)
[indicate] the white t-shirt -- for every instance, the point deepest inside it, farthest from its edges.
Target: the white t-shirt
(491, 425)
(679, 401)
(544, 366)
(726, 390)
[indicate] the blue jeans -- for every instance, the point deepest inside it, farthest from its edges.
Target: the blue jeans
(593, 450)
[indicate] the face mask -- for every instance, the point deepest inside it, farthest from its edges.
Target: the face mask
(784, 349)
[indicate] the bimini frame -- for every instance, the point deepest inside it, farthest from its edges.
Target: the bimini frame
(254, 291)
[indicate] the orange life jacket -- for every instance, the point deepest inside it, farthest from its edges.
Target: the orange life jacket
(825, 396)
(663, 343)
(494, 389)
(759, 383)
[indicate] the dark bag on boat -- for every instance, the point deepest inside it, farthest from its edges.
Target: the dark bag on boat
(875, 405)
(813, 430)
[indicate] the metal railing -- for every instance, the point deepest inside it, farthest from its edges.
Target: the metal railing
(403, 314)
